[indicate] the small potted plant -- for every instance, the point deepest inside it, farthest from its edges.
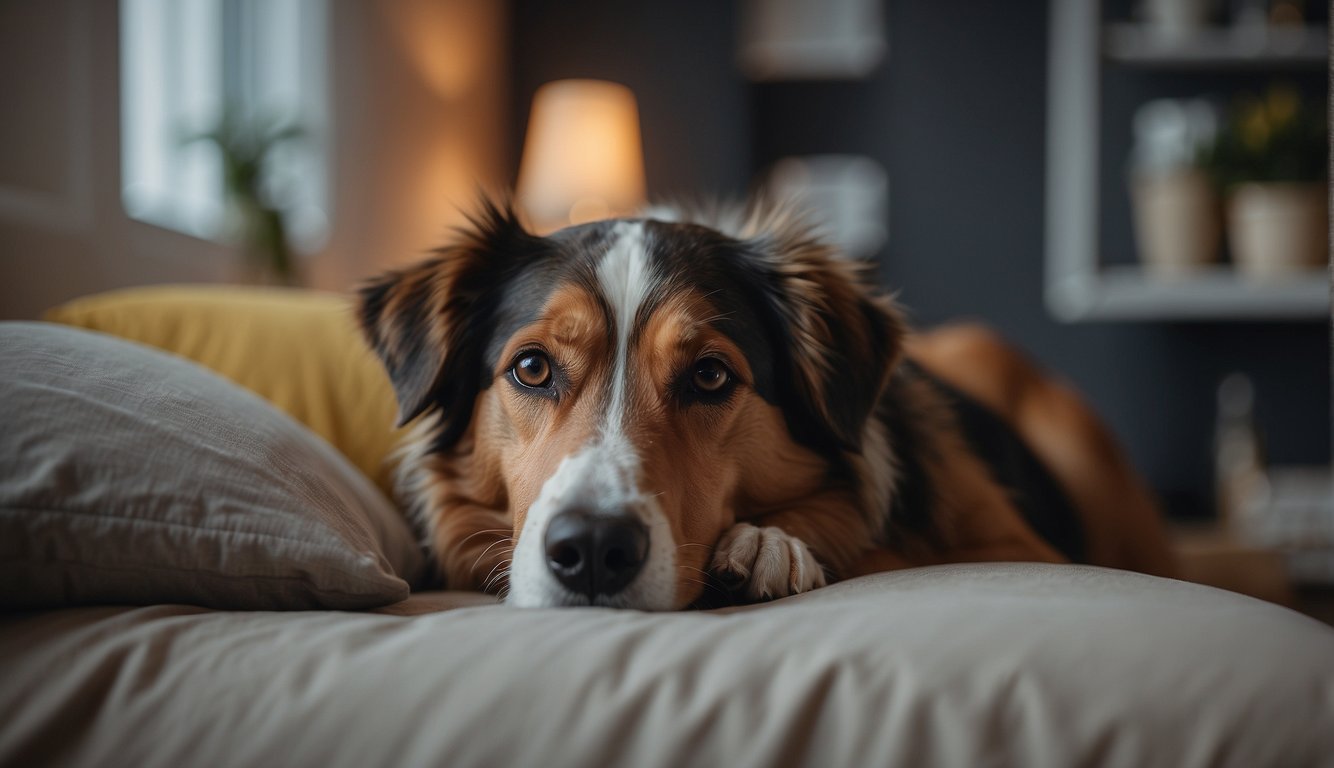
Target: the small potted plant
(246, 144)
(1270, 161)
(1178, 226)
(1176, 18)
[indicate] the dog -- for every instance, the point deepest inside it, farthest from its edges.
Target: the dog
(644, 412)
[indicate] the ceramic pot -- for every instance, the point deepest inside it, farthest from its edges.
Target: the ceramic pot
(1177, 222)
(1278, 229)
(1177, 18)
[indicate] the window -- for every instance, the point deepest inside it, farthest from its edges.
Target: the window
(186, 65)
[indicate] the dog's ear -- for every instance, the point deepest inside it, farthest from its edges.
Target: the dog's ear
(429, 322)
(841, 336)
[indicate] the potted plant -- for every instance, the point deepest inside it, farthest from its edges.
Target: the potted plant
(246, 144)
(1270, 160)
(1178, 226)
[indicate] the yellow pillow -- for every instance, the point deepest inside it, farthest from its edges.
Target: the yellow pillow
(300, 350)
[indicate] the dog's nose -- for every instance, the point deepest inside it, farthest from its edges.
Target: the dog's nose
(595, 553)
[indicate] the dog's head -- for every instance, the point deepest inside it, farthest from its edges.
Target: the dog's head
(620, 393)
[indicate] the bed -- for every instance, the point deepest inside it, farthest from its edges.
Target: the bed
(952, 665)
(194, 571)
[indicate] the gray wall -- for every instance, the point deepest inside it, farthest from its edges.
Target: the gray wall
(957, 117)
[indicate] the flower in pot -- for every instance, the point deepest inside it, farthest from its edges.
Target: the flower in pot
(1270, 160)
(1178, 228)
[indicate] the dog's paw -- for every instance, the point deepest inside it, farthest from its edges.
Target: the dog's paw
(765, 563)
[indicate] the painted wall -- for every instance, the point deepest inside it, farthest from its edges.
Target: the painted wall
(421, 109)
(63, 232)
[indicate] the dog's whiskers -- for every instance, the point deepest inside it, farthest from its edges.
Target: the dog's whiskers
(489, 547)
(705, 574)
(494, 576)
(479, 533)
(499, 580)
(704, 584)
(500, 584)
(501, 559)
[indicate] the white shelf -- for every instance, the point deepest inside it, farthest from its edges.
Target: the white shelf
(1217, 47)
(1078, 285)
(1218, 293)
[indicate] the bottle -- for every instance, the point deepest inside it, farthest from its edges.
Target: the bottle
(1240, 484)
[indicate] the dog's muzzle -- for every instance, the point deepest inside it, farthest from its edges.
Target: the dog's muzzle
(595, 552)
(591, 537)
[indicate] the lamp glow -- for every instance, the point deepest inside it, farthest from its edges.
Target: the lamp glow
(582, 158)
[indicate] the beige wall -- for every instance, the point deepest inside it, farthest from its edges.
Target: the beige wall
(418, 89)
(419, 125)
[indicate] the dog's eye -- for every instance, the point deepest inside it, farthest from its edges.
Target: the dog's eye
(710, 376)
(532, 369)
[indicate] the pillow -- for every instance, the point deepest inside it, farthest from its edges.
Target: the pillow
(131, 476)
(300, 350)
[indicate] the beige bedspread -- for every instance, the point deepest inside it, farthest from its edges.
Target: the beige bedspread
(957, 665)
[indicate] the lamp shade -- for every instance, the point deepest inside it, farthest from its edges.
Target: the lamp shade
(582, 159)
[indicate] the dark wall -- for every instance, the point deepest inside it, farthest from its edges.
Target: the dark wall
(957, 115)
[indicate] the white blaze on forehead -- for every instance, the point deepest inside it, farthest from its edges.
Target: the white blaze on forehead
(626, 277)
(604, 474)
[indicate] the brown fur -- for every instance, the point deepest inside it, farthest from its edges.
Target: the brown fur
(1123, 526)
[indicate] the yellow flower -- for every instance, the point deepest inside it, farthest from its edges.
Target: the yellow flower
(1254, 124)
(1282, 104)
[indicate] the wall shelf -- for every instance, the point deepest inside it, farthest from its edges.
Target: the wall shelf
(1219, 293)
(1079, 286)
(1217, 47)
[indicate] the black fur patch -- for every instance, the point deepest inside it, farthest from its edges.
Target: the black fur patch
(1031, 486)
(446, 313)
(914, 501)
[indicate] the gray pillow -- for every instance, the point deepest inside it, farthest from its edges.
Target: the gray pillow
(128, 475)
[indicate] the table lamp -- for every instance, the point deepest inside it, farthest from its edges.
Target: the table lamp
(582, 158)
